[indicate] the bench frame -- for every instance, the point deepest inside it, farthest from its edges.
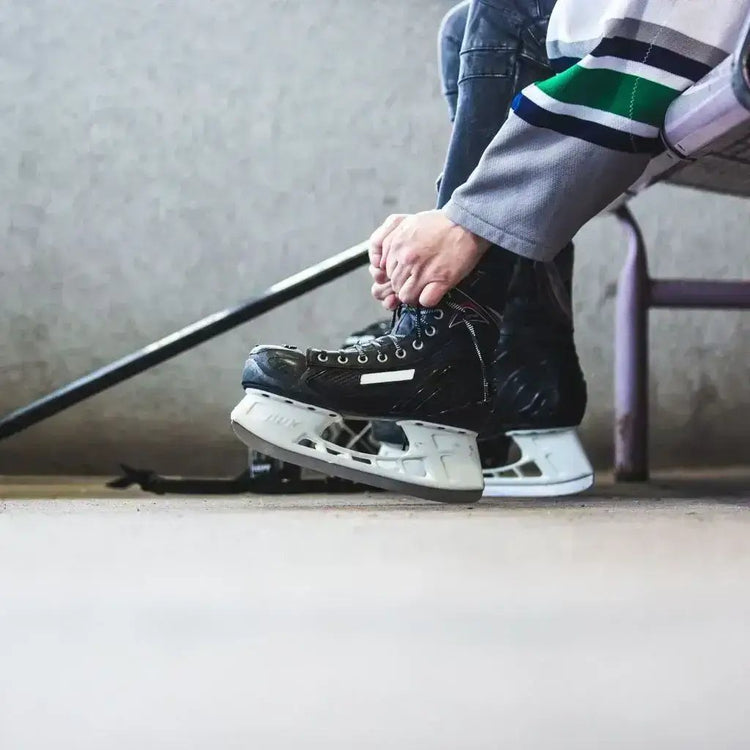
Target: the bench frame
(707, 120)
(637, 294)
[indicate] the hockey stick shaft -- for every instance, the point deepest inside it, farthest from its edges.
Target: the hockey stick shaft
(181, 341)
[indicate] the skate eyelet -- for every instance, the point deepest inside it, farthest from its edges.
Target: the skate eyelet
(362, 359)
(322, 357)
(400, 353)
(418, 345)
(382, 357)
(430, 331)
(342, 360)
(439, 314)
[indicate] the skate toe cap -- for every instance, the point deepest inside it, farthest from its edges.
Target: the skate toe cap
(273, 366)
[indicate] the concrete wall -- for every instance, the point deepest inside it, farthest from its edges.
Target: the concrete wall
(161, 159)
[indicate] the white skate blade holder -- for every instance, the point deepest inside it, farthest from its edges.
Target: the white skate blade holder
(441, 463)
(552, 463)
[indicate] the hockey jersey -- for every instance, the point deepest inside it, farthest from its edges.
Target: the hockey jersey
(576, 141)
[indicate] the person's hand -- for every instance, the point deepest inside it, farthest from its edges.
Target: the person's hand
(375, 247)
(383, 291)
(422, 256)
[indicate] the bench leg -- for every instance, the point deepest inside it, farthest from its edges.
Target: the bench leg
(631, 358)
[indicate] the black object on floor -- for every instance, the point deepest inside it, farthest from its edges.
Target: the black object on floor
(244, 483)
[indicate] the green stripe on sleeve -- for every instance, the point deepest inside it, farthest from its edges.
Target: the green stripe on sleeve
(619, 93)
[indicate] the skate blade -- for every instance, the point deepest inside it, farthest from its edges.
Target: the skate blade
(441, 463)
(552, 464)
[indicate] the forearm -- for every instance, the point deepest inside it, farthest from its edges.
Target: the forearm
(535, 188)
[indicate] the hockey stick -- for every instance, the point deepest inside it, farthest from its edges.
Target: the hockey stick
(181, 341)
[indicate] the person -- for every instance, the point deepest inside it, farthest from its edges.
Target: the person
(572, 144)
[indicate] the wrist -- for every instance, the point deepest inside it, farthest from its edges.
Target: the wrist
(480, 244)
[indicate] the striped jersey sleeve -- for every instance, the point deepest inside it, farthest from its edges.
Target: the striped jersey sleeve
(574, 142)
(617, 95)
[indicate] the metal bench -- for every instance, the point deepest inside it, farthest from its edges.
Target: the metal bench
(707, 139)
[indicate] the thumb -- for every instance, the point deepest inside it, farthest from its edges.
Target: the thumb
(433, 292)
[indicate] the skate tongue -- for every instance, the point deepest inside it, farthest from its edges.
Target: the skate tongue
(411, 318)
(408, 317)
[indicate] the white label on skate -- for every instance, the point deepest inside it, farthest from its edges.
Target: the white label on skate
(282, 421)
(394, 376)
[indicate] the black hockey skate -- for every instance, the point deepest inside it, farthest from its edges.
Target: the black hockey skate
(430, 375)
(355, 434)
(539, 389)
(529, 447)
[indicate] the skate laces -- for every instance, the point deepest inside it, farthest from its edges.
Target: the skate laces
(395, 339)
(417, 322)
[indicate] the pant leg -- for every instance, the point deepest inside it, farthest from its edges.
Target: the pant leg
(450, 38)
(503, 50)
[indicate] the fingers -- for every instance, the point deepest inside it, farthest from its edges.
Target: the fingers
(389, 260)
(433, 292)
(375, 248)
(381, 291)
(386, 228)
(403, 269)
(402, 272)
(410, 290)
(422, 256)
(384, 294)
(379, 276)
(390, 302)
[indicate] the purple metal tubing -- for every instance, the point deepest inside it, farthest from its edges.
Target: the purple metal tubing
(636, 294)
(631, 358)
(699, 294)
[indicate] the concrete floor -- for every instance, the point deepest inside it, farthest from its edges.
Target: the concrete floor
(616, 620)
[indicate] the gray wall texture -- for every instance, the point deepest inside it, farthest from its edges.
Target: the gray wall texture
(162, 159)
